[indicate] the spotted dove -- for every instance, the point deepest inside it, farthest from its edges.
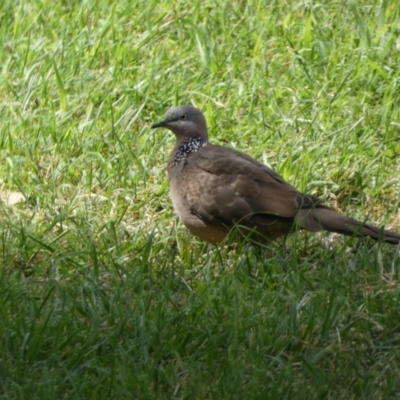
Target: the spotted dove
(215, 189)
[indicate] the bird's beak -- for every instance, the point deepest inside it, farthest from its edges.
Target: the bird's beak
(161, 124)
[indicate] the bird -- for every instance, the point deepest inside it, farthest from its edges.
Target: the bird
(216, 190)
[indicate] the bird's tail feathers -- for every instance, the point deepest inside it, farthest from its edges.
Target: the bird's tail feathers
(320, 218)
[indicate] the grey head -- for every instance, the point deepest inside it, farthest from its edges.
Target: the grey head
(184, 122)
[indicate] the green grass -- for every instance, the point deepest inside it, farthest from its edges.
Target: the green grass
(104, 294)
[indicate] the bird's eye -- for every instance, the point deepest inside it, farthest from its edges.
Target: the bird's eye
(183, 117)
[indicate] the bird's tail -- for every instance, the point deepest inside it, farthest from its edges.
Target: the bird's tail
(324, 218)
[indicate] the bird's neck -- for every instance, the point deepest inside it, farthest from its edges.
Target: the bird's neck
(186, 146)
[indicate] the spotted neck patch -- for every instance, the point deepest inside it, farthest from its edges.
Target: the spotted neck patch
(190, 145)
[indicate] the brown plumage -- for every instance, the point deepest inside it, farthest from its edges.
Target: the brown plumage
(214, 189)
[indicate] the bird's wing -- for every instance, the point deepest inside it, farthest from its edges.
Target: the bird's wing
(223, 185)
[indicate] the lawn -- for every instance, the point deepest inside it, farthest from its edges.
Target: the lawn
(104, 293)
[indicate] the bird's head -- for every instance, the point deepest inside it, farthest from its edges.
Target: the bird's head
(184, 122)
